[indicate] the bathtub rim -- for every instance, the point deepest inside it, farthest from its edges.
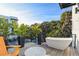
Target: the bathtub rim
(56, 38)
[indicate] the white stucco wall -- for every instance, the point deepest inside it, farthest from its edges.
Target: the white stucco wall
(75, 25)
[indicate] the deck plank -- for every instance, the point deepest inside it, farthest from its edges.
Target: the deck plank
(55, 52)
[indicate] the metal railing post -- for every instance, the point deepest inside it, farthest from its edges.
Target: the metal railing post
(74, 40)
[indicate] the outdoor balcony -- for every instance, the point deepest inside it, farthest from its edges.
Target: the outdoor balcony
(50, 51)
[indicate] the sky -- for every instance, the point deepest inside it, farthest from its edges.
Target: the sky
(30, 13)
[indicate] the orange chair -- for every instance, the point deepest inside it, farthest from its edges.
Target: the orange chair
(4, 51)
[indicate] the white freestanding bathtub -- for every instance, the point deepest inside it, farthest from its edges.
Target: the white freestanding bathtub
(58, 43)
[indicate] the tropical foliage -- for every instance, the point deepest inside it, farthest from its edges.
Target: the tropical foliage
(4, 26)
(66, 24)
(62, 28)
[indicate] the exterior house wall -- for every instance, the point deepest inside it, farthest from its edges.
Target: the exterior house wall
(75, 24)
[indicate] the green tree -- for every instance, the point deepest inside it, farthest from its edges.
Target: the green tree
(4, 26)
(23, 30)
(66, 24)
(35, 30)
(14, 25)
(54, 29)
(45, 26)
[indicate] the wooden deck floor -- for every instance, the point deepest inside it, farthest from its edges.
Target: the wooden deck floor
(56, 52)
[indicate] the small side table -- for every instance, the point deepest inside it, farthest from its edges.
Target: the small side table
(35, 51)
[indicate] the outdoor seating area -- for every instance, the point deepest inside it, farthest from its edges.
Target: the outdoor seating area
(33, 49)
(3, 48)
(50, 34)
(48, 51)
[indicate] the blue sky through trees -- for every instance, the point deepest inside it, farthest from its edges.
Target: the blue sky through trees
(30, 13)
